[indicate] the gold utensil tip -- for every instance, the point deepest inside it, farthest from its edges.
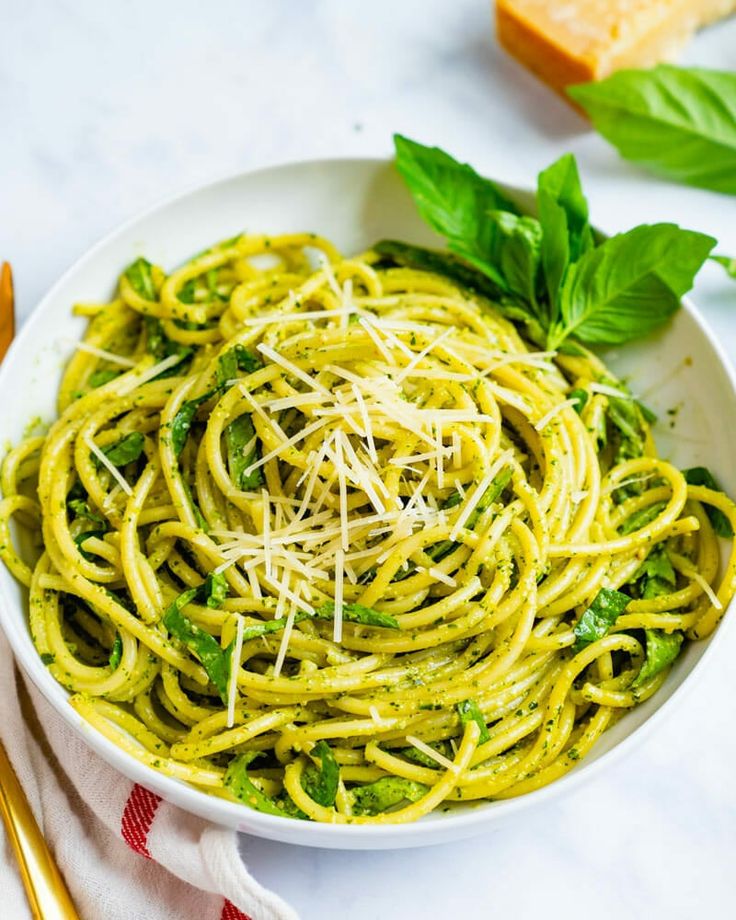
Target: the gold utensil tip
(7, 309)
(47, 893)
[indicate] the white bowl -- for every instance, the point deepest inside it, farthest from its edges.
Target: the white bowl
(354, 203)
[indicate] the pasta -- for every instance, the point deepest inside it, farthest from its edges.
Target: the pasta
(324, 536)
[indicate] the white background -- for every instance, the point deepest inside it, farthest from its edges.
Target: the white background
(106, 108)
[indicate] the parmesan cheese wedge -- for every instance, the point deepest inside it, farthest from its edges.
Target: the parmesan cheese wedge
(575, 41)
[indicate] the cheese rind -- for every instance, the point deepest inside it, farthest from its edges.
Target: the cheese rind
(575, 41)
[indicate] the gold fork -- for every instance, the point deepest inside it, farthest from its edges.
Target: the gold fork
(47, 893)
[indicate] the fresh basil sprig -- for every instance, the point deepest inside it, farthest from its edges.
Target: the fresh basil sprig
(678, 122)
(729, 265)
(550, 274)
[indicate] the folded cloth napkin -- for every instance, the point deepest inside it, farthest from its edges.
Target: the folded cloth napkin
(124, 852)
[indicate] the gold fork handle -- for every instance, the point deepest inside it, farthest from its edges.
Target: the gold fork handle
(47, 893)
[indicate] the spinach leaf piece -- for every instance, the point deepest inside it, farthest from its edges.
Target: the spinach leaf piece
(181, 423)
(581, 398)
(247, 360)
(469, 711)
(356, 613)
(100, 378)
(127, 450)
(238, 435)
(216, 589)
(139, 275)
(385, 793)
(242, 786)
(630, 284)
(728, 264)
(700, 476)
(627, 419)
(641, 518)
(441, 263)
(662, 649)
(656, 576)
(598, 619)
(321, 784)
(215, 660)
(678, 122)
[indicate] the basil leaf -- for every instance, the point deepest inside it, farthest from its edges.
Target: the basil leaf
(141, 280)
(514, 244)
(469, 711)
(385, 793)
(99, 378)
(116, 653)
(598, 619)
(127, 450)
(216, 589)
(238, 434)
(630, 284)
(450, 196)
(47, 658)
(728, 264)
(440, 263)
(678, 122)
(662, 649)
(321, 785)
(563, 215)
(215, 660)
(356, 613)
(700, 476)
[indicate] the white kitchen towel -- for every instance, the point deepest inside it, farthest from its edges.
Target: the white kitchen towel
(124, 852)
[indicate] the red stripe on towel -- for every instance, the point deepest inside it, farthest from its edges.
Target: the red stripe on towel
(138, 815)
(231, 912)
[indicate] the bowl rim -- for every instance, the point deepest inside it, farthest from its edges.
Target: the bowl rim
(195, 801)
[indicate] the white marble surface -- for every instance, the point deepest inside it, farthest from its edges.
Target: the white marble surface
(106, 108)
